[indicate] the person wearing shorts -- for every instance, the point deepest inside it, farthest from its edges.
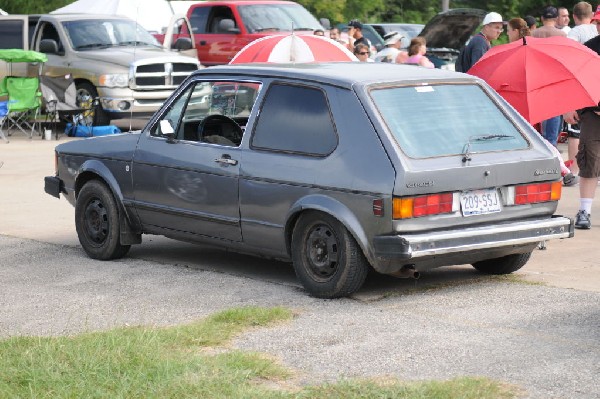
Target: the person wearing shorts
(588, 159)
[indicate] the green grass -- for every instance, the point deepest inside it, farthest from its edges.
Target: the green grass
(189, 361)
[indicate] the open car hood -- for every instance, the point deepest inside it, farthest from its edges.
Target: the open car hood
(452, 29)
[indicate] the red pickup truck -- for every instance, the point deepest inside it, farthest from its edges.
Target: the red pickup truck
(222, 28)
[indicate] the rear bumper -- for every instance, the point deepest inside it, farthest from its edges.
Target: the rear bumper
(419, 246)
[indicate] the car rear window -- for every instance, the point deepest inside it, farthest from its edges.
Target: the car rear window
(441, 120)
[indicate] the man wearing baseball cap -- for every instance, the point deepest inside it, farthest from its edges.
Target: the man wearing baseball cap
(548, 28)
(480, 43)
(355, 35)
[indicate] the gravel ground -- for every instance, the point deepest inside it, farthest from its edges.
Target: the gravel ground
(543, 339)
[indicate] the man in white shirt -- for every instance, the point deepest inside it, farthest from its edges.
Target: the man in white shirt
(584, 30)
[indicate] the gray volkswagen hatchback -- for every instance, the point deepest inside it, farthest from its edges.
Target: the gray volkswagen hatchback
(335, 167)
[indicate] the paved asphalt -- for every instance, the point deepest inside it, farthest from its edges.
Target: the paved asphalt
(544, 338)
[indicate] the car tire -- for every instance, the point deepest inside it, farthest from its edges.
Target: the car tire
(97, 222)
(87, 92)
(504, 265)
(327, 259)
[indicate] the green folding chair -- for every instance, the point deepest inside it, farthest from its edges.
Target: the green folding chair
(24, 101)
(3, 107)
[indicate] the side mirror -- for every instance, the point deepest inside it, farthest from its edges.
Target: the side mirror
(48, 46)
(325, 22)
(166, 129)
(228, 25)
(183, 44)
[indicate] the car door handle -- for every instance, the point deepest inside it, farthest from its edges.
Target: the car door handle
(226, 160)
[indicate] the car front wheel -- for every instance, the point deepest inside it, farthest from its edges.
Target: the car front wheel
(327, 259)
(504, 265)
(97, 222)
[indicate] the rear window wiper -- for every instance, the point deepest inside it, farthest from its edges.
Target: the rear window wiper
(304, 29)
(482, 139)
(490, 137)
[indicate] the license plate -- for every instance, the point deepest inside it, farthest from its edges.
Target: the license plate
(479, 202)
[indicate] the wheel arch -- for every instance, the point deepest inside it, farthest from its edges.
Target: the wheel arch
(96, 170)
(333, 208)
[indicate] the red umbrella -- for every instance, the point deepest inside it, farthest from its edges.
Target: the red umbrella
(293, 48)
(542, 78)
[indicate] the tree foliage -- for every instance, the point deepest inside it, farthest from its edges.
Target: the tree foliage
(415, 11)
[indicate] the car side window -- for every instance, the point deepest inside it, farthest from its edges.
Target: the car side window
(49, 32)
(213, 112)
(218, 13)
(295, 119)
(199, 18)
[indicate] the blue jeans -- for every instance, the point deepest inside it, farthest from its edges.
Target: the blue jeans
(551, 129)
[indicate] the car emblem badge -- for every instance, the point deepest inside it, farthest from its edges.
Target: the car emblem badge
(539, 172)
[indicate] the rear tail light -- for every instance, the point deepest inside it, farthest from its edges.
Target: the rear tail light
(424, 205)
(538, 192)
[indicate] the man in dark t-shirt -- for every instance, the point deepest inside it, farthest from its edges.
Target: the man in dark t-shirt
(480, 43)
(355, 28)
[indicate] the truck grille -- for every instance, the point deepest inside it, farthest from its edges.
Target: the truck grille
(166, 75)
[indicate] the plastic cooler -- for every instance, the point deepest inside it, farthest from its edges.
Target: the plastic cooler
(90, 131)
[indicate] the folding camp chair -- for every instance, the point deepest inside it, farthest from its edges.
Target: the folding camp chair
(24, 101)
(60, 103)
(3, 113)
(21, 93)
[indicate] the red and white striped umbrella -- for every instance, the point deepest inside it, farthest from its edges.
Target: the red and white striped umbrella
(293, 48)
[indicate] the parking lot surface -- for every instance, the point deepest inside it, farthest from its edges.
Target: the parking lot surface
(452, 322)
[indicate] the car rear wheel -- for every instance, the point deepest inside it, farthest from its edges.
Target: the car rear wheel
(504, 265)
(327, 259)
(97, 222)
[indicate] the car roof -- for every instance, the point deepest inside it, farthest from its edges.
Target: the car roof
(343, 74)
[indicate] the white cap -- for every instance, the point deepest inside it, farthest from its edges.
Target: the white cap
(491, 18)
(392, 38)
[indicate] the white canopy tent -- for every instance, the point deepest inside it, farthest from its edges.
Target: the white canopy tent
(153, 15)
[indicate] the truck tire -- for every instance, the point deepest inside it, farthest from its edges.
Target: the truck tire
(86, 97)
(327, 259)
(97, 222)
(504, 265)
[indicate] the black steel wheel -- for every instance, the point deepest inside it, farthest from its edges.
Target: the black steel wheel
(504, 265)
(327, 259)
(97, 222)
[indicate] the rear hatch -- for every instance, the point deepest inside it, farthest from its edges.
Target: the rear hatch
(464, 155)
(448, 32)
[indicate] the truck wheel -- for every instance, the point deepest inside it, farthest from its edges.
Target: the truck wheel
(327, 259)
(504, 265)
(86, 96)
(97, 222)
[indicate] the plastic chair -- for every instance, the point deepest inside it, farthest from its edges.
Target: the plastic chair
(60, 103)
(24, 100)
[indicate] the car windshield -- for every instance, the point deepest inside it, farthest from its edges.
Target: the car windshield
(89, 34)
(277, 17)
(441, 120)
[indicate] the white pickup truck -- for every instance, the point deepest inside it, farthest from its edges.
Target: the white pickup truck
(110, 57)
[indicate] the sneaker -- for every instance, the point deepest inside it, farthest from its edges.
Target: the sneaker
(583, 220)
(570, 179)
